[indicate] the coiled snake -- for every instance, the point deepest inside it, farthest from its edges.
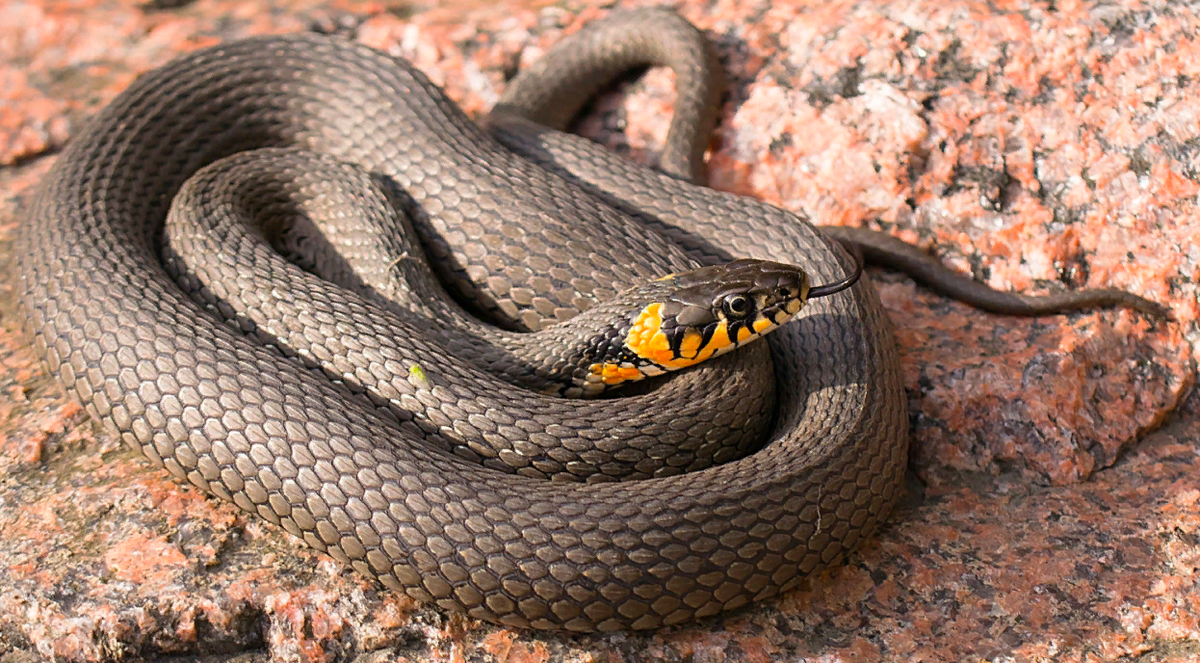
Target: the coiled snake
(394, 466)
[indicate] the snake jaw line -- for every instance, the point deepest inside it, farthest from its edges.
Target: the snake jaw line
(691, 317)
(666, 336)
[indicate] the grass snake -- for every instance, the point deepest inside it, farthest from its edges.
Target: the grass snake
(324, 409)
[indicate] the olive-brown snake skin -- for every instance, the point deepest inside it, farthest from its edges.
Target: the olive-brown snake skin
(393, 467)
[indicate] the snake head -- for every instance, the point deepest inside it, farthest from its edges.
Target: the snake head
(693, 316)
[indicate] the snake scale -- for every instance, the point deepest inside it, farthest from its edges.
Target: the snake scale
(413, 466)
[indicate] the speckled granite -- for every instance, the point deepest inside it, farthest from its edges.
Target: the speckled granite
(1036, 146)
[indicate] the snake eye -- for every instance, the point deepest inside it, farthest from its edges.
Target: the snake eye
(736, 306)
(784, 293)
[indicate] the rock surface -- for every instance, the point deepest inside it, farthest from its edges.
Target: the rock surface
(1054, 508)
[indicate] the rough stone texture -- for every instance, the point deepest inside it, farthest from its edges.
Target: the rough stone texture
(1037, 146)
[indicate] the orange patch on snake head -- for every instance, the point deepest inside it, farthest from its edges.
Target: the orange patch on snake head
(720, 338)
(717, 344)
(647, 340)
(690, 345)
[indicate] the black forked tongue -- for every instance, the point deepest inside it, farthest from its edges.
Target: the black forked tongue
(838, 286)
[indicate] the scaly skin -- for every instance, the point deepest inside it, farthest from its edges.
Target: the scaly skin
(395, 468)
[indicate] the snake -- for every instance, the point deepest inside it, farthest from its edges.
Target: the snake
(372, 436)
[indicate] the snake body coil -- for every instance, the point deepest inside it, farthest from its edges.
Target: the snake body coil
(389, 474)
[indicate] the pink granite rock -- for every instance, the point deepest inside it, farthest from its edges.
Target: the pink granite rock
(1038, 147)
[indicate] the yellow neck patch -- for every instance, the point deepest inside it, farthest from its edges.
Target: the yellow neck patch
(647, 340)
